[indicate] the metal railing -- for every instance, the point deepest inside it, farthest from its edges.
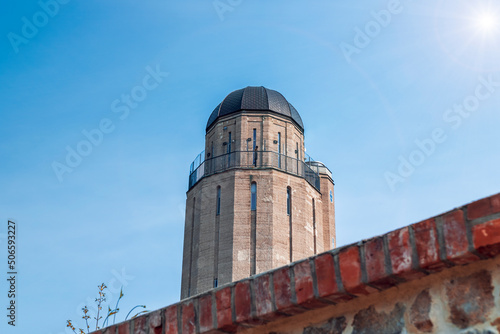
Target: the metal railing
(253, 159)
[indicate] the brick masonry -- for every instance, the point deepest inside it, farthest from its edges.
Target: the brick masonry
(441, 275)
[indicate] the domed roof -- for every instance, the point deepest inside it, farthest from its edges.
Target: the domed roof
(255, 98)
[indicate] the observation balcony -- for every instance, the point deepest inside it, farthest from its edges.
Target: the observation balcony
(307, 169)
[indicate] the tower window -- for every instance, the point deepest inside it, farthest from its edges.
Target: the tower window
(290, 225)
(218, 201)
(253, 228)
(314, 225)
(288, 201)
(229, 150)
(254, 139)
(253, 201)
(279, 149)
(192, 248)
(255, 147)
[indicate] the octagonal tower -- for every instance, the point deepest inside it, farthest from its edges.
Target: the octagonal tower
(256, 201)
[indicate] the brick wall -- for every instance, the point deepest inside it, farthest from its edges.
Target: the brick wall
(441, 275)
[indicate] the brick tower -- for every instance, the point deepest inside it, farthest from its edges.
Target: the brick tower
(256, 201)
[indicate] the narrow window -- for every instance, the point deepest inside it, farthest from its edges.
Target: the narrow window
(192, 247)
(288, 200)
(212, 160)
(289, 212)
(314, 225)
(253, 228)
(255, 147)
(218, 201)
(253, 191)
(279, 149)
(297, 158)
(229, 151)
(216, 240)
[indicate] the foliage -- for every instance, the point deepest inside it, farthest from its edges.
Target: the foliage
(111, 312)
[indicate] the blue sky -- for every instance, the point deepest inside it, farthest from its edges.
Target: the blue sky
(399, 99)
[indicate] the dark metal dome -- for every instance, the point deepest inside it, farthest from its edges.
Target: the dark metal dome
(255, 98)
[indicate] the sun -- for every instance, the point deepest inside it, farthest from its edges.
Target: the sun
(469, 32)
(487, 22)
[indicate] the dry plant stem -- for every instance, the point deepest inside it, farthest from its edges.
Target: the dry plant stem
(86, 317)
(144, 306)
(116, 307)
(99, 301)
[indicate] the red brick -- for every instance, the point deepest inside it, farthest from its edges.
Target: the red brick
(375, 265)
(455, 238)
(154, 322)
(139, 325)
(242, 302)
(426, 240)
(124, 328)
(484, 207)
(283, 292)
(188, 318)
(263, 298)
(110, 330)
(171, 320)
(206, 321)
(400, 253)
(495, 203)
(304, 289)
(326, 279)
(486, 238)
(350, 271)
(224, 313)
(325, 275)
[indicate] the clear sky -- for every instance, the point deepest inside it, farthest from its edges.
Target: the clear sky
(399, 99)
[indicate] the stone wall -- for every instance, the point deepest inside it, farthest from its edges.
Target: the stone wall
(441, 275)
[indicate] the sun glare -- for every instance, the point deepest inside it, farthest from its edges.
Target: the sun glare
(487, 22)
